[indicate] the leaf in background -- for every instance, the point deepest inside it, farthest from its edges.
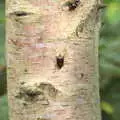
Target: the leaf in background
(113, 13)
(2, 21)
(3, 108)
(107, 107)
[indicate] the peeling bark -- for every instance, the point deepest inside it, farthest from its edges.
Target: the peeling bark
(52, 59)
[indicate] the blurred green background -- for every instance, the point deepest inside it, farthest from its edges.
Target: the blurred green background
(109, 62)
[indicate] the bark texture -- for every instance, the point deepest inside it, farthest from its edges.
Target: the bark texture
(39, 32)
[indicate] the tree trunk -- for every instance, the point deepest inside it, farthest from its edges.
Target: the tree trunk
(52, 59)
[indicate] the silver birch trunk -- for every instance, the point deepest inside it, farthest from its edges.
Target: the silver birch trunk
(52, 59)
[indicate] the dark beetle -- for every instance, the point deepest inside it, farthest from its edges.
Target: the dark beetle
(59, 61)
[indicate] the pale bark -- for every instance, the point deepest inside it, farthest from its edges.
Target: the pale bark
(37, 32)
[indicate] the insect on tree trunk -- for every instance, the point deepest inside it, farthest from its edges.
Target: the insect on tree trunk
(52, 59)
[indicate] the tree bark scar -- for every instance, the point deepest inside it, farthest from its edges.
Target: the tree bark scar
(59, 61)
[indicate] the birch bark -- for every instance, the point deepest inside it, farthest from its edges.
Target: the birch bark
(39, 32)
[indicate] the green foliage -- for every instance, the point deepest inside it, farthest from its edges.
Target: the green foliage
(3, 99)
(3, 108)
(106, 107)
(110, 60)
(3, 82)
(112, 13)
(2, 32)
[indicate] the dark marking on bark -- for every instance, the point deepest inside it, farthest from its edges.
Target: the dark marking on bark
(72, 5)
(36, 93)
(28, 94)
(43, 119)
(14, 42)
(20, 13)
(25, 70)
(48, 89)
(22, 83)
(25, 103)
(82, 75)
(32, 94)
(79, 29)
(19, 95)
